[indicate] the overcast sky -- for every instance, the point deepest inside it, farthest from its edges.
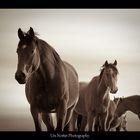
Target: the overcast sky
(86, 38)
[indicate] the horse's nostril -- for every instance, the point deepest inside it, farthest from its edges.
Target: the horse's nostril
(20, 77)
(116, 90)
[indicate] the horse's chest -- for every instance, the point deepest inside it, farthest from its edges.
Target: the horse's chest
(45, 97)
(101, 105)
(46, 102)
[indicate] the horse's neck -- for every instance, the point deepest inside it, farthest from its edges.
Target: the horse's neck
(102, 89)
(129, 105)
(48, 65)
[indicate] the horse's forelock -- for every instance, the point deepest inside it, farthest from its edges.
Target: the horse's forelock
(112, 66)
(27, 38)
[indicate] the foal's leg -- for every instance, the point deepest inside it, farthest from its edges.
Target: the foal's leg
(48, 120)
(35, 115)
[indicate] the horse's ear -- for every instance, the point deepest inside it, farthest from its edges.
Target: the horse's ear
(20, 34)
(121, 99)
(114, 97)
(31, 32)
(115, 63)
(106, 63)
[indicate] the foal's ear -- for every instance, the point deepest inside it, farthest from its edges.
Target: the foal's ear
(115, 63)
(20, 34)
(31, 32)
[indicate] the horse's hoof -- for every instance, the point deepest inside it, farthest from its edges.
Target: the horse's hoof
(58, 129)
(51, 129)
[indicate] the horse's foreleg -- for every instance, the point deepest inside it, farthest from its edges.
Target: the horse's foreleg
(48, 120)
(74, 120)
(118, 128)
(37, 121)
(103, 119)
(83, 123)
(91, 120)
(61, 115)
(124, 128)
(109, 122)
(97, 124)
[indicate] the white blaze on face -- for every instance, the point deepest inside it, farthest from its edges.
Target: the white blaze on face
(24, 46)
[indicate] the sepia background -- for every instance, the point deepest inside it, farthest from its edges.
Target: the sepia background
(86, 38)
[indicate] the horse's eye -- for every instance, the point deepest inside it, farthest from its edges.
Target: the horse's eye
(32, 51)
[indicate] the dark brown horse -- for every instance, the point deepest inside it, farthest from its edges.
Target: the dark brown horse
(130, 103)
(51, 84)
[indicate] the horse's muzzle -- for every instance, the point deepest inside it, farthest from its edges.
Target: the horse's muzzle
(20, 77)
(113, 91)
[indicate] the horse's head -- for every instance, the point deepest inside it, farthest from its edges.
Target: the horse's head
(28, 55)
(110, 73)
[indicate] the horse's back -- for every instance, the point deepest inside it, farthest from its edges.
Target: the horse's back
(135, 103)
(135, 98)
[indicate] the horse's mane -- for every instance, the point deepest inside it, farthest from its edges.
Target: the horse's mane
(54, 54)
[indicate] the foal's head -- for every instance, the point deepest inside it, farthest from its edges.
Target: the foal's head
(110, 72)
(28, 55)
